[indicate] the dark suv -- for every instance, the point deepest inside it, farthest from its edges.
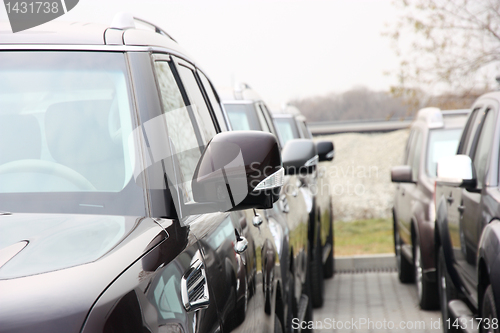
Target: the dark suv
(126, 206)
(433, 134)
(247, 111)
(468, 223)
(291, 126)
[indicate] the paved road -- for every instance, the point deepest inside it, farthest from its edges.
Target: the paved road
(374, 302)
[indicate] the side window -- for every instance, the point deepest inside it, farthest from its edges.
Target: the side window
(262, 119)
(214, 101)
(305, 131)
(407, 148)
(467, 131)
(185, 139)
(198, 103)
(483, 147)
(415, 154)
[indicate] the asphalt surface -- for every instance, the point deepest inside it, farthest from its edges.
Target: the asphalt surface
(373, 301)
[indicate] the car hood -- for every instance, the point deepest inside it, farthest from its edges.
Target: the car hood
(56, 266)
(37, 243)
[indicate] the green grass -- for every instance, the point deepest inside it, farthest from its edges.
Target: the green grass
(363, 237)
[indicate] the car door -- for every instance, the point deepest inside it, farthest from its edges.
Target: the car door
(469, 210)
(407, 190)
(239, 257)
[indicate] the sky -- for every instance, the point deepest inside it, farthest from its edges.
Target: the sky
(282, 49)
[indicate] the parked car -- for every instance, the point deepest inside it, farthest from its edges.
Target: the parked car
(291, 125)
(433, 134)
(126, 205)
(468, 223)
(247, 111)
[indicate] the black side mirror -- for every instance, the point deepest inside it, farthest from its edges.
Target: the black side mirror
(239, 170)
(326, 150)
(401, 174)
(299, 156)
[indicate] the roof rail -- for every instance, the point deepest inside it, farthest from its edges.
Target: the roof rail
(460, 112)
(124, 20)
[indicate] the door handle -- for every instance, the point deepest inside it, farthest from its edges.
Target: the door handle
(450, 199)
(461, 209)
(403, 192)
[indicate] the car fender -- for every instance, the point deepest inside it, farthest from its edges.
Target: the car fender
(488, 259)
(425, 233)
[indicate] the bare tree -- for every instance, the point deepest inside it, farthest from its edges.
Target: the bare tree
(446, 46)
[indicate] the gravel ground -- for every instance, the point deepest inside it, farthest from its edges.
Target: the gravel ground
(360, 180)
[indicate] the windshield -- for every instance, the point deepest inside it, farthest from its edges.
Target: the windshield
(442, 143)
(65, 122)
(286, 129)
(242, 117)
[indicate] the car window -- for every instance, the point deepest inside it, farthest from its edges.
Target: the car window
(415, 152)
(197, 103)
(214, 101)
(466, 131)
(408, 147)
(64, 128)
(441, 143)
(262, 120)
(484, 145)
(472, 135)
(287, 130)
(305, 131)
(185, 139)
(242, 117)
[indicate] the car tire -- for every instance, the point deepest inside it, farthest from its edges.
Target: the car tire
(329, 267)
(405, 267)
(309, 310)
(446, 290)
(292, 308)
(489, 312)
(277, 325)
(317, 280)
(426, 290)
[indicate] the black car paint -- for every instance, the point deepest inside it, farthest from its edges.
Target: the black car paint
(471, 240)
(116, 292)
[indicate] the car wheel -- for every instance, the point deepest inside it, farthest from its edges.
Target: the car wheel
(446, 290)
(405, 267)
(329, 267)
(292, 310)
(317, 280)
(426, 290)
(307, 288)
(489, 313)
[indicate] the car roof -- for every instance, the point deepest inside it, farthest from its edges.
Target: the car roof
(125, 31)
(289, 111)
(435, 118)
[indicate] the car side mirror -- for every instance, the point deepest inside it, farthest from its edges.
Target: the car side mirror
(456, 170)
(299, 156)
(238, 170)
(326, 150)
(401, 174)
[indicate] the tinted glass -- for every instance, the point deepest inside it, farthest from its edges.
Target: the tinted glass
(484, 146)
(442, 143)
(65, 125)
(286, 129)
(242, 117)
(415, 157)
(198, 104)
(214, 101)
(181, 131)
